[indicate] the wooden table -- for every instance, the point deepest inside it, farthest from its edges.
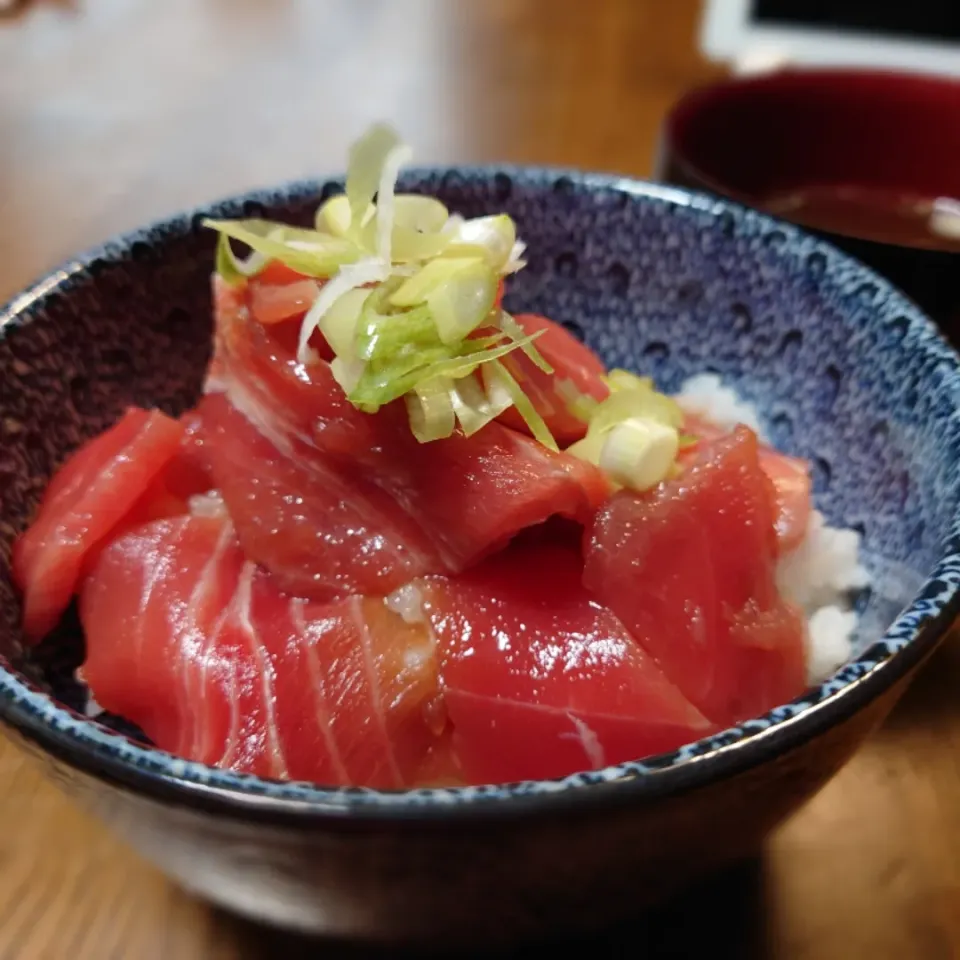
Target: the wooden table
(116, 111)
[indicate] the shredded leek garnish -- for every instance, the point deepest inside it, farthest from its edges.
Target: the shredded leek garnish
(639, 452)
(581, 405)
(339, 324)
(231, 268)
(309, 252)
(368, 157)
(430, 408)
(634, 434)
(476, 404)
(383, 382)
(408, 303)
(349, 278)
(492, 238)
(392, 337)
(395, 159)
(524, 406)
(515, 332)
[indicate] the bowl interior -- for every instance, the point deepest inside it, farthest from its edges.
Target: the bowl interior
(844, 370)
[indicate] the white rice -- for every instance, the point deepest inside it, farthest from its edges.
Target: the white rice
(707, 397)
(819, 574)
(92, 709)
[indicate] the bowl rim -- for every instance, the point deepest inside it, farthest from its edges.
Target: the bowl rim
(54, 730)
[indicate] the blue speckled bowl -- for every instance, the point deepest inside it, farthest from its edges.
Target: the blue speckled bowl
(847, 372)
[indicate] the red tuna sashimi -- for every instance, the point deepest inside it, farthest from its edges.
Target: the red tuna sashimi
(790, 476)
(689, 568)
(184, 476)
(274, 303)
(278, 293)
(538, 679)
(452, 501)
(322, 532)
(150, 608)
(572, 361)
(198, 647)
(87, 499)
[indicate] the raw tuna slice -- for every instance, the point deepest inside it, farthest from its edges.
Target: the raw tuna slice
(790, 476)
(322, 532)
(196, 645)
(539, 680)
(85, 502)
(184, 476)
(572, 361)
(274, 303)
(429, 508)
(689, 569)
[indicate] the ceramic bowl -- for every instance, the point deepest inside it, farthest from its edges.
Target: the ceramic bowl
(847, 373)
(756, 138)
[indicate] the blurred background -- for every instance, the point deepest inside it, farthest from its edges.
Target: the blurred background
(113, 112)
(116, 112)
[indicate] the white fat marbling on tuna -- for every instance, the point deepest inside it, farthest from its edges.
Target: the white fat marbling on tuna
(311, 634)
(267, 672)
(588, 740)
(376, 693)
(209, 504)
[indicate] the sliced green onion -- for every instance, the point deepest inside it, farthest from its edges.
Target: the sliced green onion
(490, 237)
(422, 214)
(382, 383)
(365, 169)
(471, 360)
(384, 336)
(643, 402)
(639, 453)
(410, 246)
(389, 173)
(334, 216)
(589, 448)
(633, 435)
(463, 301)
(352, 275)
(618, 379)
(417, 226)
(339, 324)
(525, 407)
(475, 405)
(515, 261)
(580, 405)
(347, 372)
(430, 410)
(499, 396)
(231, 268)
(494, 340)
(309, 252)
(515, 332)
(431, 275)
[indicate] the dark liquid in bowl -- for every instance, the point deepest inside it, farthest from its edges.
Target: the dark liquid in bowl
(882, 216)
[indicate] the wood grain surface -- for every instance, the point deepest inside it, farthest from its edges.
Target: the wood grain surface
(113, 112)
